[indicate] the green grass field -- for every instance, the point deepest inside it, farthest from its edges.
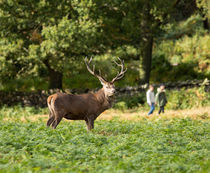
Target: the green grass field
(147, 145)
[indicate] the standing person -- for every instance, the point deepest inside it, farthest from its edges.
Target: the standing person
(151, 99)
(161, 98)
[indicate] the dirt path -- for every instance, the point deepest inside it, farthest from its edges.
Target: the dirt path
(202, 113)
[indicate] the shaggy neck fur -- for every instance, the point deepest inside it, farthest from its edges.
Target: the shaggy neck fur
(101, 97)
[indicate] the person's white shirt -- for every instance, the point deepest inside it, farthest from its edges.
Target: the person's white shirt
(150, 97)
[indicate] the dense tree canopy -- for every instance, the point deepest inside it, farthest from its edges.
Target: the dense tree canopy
(52, 33)
(47, 39)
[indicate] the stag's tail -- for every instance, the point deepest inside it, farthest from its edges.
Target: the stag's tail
(50, 104)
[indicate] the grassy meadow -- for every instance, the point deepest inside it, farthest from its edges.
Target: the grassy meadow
(127, 141)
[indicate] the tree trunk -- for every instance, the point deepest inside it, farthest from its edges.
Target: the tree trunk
(146, 61)
(146, 44)
(206, 24)
(55, 77)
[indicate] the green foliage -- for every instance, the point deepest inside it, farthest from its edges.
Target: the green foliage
(177, 99)
(160, 66)
(128, 102)
(121, 105)
(17, 111)
(69, 39)
(188, 27)
(204, 6)
(21, 84)
(177, 145)
(81, 78)
(40, 34)
(190, 98)
(182, 59)
(42, 37)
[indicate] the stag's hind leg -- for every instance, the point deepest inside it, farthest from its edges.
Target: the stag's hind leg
(59, 114)
(56, 122)
(51, 119)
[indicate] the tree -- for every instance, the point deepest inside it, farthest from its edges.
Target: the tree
(136, 23)
(54, 34)
(46, 32)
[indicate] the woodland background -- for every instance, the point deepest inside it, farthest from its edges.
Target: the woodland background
(43, 43)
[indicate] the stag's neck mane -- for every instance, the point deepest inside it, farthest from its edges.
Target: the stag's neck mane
(101, 97)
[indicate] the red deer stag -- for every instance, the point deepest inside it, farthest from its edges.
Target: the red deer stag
(84, 106)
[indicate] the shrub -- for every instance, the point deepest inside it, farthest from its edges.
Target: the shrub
(120, 105)
(189, 98)
(177, 99)
(129, 101)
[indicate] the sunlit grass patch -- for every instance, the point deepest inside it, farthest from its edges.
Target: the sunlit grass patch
(28, 114)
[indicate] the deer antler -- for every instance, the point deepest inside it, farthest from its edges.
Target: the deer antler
(122, 71)
(92, 71)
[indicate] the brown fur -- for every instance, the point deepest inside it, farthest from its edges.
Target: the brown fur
(77, 107)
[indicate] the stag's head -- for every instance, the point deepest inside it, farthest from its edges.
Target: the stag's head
(109, 87)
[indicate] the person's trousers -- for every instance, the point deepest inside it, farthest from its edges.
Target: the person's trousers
(152, 108)
(161, 109)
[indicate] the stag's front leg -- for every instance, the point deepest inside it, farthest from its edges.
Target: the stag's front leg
(89, 123)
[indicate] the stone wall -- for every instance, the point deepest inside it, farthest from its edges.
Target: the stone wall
(39, 98)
